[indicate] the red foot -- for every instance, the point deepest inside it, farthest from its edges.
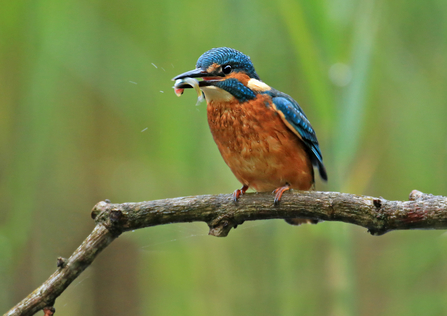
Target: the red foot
(237, 193)
(279, 192)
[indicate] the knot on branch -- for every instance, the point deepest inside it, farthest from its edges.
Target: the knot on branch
(61, 262)
(416, 195)
(377, 231)
(221, 226)
(377, 203)
(112, 218)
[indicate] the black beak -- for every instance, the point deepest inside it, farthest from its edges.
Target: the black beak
(196, 73)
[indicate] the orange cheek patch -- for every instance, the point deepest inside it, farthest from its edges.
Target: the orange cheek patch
(242, 77)
(212, 68)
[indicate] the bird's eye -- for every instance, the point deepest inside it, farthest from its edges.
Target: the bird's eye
(226, 69)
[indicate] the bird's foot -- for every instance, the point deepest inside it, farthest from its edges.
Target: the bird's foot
(279, 192)
(237, 193)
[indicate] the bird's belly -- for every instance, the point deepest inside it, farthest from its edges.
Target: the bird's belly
(258, 147)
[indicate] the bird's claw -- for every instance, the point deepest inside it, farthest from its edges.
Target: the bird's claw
(237, 193)
(279, 192)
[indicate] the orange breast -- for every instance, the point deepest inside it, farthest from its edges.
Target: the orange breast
(258, 147)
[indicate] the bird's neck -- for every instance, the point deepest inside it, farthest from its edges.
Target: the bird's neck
(215, 94)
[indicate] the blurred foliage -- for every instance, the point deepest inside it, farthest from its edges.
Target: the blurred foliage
(87, 113)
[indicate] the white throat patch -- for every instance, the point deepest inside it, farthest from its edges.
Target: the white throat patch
(215, 94)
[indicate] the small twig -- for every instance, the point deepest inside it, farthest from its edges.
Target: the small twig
(379, 216)
(45, 295)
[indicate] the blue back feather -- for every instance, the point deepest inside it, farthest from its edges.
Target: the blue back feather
(298, 120)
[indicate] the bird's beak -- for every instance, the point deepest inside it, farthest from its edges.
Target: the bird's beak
(196, 73)
(208, 78)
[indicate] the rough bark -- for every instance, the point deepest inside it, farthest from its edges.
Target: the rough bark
(379, 216)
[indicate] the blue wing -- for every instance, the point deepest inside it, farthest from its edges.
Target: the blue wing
(295, 119)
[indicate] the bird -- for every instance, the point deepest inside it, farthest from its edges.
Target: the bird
(262, 134)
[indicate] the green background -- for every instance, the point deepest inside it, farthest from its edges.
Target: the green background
(87, 112)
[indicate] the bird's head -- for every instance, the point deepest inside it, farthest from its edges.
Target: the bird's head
(226, 73)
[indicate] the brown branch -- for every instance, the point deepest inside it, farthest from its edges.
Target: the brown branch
(378, 215)
(68, 270)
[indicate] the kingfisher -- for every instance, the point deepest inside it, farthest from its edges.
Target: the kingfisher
(262, 134)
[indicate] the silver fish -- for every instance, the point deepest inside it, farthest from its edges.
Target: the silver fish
(179, 87)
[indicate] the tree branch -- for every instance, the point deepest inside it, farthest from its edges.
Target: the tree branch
(379, 216)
